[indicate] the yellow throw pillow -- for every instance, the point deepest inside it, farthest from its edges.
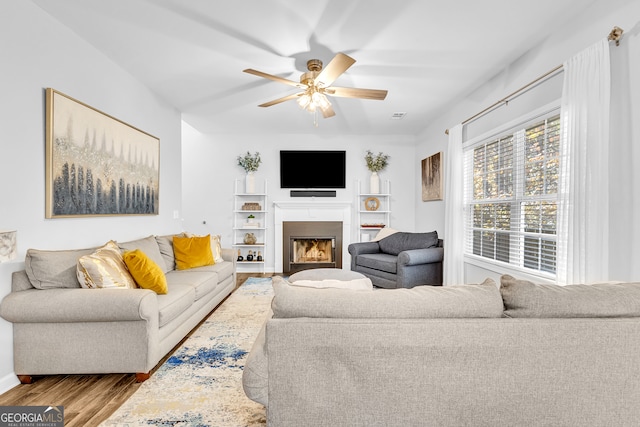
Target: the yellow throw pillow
(145, 271)
(216, 246)
(104, 268)
(192, 252)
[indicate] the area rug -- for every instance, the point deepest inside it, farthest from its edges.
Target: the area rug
(201, 383)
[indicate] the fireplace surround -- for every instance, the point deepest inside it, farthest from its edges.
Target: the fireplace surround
(311, 244)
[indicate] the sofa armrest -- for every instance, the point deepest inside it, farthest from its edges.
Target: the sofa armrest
(64, 305)
(229, 254)
(421, 256)
(360, 248)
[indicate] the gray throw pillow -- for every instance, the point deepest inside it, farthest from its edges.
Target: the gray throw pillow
(149, 246)
(526, 299)
(54, 269)
(404, 241)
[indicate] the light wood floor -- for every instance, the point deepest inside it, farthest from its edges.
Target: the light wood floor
(87, 399)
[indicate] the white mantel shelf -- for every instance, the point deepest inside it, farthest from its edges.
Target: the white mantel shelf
(311, 209)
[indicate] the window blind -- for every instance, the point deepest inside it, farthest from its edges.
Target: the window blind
(510, 196)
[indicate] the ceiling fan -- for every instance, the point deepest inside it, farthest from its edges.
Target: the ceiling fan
(316, 84)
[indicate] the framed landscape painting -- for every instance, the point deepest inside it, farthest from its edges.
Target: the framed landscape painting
(432, 177)
(97, 164)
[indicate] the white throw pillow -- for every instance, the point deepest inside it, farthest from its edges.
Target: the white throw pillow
(363, 284)
(385, 232)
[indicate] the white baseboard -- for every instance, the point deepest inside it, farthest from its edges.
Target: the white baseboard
(8, 382)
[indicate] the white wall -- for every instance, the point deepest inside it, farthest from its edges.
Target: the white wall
(211, 169)
(587, 27)
(37, 52)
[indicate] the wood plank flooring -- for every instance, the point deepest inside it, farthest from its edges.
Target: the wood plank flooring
(87, 399)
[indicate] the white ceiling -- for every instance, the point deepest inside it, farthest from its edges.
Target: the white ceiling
(426, 53)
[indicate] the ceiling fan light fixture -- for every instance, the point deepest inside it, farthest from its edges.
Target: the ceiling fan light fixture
(316, 85)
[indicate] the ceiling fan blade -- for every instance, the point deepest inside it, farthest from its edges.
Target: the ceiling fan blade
(349, 92)
(274, 78)
(338, 65)
(279, 100)
(328, 112)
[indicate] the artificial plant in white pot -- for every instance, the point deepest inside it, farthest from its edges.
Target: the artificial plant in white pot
(250, 163)
(375, 164)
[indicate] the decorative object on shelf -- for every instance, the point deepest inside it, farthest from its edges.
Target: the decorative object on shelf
(251, 206)
(251, 223)
(250, 239)
(432, 177)
(375, 164)
(259, 257)
(240, 258)
(250, 256)
(8, 245)
(250, 163)
(371, 203)
(378, 225)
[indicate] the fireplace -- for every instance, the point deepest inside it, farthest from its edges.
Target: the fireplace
(311, 244)
(301, 214)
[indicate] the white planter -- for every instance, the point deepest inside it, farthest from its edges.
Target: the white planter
(250, 183)
(374, 185)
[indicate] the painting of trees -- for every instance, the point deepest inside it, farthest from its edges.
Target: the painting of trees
(96, 164)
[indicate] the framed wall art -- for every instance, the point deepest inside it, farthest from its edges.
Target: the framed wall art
(97, 164)
(432, 178)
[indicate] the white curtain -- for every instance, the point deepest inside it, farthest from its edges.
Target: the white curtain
(453, 268)
(583, 208)
(624, 187)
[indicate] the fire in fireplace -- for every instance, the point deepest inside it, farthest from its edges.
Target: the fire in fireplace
(312, 250)
(311, 245)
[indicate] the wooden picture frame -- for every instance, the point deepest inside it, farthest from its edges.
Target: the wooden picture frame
(432, 177)
(97, 165)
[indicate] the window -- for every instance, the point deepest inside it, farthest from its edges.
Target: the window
(511, 196)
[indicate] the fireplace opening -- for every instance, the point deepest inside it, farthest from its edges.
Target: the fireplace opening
(305, 250)
(311, 244)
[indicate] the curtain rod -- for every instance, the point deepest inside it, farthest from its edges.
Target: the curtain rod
(614, 35)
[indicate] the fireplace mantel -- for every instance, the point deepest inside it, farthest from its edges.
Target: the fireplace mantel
(310, 211)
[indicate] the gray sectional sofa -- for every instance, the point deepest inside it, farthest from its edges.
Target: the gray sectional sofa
(513, 354)
(61, 328)
(400, 260)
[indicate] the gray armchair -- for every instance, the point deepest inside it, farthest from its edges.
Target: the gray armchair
(401, 260)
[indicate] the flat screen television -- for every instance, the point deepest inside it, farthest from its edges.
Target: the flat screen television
(312, 169)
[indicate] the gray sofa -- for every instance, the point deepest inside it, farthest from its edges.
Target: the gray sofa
(61, 328)
(401, 260)
(465, 355)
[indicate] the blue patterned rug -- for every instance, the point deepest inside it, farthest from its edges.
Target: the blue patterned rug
(201, 383)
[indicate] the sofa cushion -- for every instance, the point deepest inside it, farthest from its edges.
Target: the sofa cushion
(104, 268)
(174, 303)
(192, 252)
(422, 302)
(404, 241)
(149, 246)
(146, 273)
(379, 261)
(54, 269)
(523, 298)
(202, 281)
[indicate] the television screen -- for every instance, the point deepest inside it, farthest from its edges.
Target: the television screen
(312, 169)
